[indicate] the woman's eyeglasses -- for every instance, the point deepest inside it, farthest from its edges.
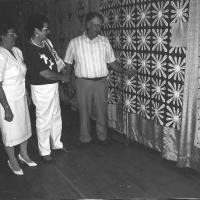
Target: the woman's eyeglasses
(13, 34)
(45, 29)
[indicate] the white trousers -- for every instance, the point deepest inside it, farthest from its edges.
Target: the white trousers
(48, 117)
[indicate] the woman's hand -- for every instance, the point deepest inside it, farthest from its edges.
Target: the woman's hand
(8, 114)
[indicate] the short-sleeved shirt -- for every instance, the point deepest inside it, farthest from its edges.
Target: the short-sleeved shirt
(38, 59)
(90, 56)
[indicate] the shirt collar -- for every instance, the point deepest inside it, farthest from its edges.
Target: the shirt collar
(84, 36)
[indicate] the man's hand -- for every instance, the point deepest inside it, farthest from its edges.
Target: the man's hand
(71, 90)
(65, 79)
(130, 72)
(120, 69)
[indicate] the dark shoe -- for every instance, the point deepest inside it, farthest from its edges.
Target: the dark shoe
(47, 159)
(103, 142)
(84, 145)
(61, 150)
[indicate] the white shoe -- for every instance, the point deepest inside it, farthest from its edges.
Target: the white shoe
(17, 172)
(30, 164)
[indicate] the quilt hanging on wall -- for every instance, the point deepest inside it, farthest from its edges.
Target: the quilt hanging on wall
(140, 32)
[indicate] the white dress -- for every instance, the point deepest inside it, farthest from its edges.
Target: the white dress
(12, 76)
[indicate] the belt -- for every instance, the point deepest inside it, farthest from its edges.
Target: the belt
(92, 79)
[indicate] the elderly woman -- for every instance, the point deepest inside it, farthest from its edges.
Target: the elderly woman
(42, 67)
(14, 115)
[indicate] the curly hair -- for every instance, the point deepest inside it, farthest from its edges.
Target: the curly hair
(35, 21)
(5, 26)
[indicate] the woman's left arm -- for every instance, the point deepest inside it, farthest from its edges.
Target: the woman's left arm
(28, 97)
(8, 112)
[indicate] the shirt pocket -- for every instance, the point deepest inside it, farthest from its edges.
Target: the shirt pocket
(101, 51)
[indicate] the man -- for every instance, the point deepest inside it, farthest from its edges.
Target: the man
(91, 53)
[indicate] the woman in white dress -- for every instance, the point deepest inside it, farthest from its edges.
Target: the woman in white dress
(14, 114)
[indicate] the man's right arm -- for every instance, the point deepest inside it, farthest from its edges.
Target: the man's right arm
(69, 59)
(67, 70)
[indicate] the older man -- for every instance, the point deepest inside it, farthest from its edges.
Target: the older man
(91, 53)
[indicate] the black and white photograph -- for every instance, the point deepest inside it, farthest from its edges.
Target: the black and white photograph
(99, 99)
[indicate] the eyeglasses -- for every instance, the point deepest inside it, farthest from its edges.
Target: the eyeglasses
(45, 29)
(13, 34)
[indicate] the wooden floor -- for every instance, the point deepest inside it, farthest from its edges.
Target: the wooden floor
(115, 171)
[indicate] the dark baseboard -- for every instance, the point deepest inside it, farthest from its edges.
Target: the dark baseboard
(117, 137)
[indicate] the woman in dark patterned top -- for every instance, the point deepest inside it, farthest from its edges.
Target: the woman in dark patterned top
(41, 60)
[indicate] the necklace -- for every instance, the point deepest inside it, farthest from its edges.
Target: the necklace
(41, 46)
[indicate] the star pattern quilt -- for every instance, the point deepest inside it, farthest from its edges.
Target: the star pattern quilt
(139, 32)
